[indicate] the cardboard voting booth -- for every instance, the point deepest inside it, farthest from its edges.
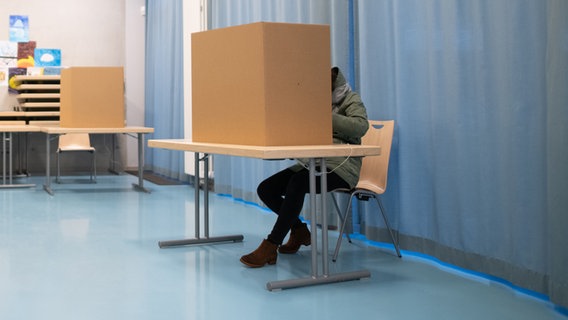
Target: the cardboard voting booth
(265, 84)
(92, 97)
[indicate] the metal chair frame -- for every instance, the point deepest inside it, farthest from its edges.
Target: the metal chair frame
(373, 180)
(76, 142)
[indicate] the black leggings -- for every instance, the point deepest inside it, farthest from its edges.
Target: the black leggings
(284, 194)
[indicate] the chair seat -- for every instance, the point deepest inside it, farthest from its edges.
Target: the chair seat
(75, 148)
(367, 186)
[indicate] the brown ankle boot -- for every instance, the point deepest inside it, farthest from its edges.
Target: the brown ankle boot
(265, 253)
(298, 236)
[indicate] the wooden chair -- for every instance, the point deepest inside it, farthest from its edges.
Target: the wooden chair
(373, 178)
(76, 142)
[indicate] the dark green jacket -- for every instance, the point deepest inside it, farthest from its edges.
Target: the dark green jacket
(349, 122)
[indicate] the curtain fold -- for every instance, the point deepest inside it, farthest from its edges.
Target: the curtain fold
(164, 84)
(557, 149)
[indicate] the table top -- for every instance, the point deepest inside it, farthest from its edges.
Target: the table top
(42, 77)
(18, 128)
(267, 152)
(55, 129)
(10, 114)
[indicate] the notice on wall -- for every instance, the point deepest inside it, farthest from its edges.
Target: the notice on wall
(8, 53)
(26, 54)
(19, 28)
(12, 73)
(47, 57)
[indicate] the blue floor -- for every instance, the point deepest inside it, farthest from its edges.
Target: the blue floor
(91, 252)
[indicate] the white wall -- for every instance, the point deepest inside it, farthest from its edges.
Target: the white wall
(89, 33)
(135, 26)
(194, 20)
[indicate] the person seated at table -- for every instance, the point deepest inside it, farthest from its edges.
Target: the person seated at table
(284, 192)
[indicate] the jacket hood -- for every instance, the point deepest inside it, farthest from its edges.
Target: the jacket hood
(339, 88)
(337, 78)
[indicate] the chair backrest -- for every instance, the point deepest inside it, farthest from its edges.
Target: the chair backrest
(374, 170)
(75, 141)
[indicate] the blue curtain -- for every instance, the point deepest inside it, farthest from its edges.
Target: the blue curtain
(557, 149)
(472, 86)
(478, 92)
(164, 83)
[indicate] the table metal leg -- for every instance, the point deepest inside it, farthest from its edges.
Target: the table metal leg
(312, 281)
(315, 278)
(196, 195)
(325, 277)
(313, 222)
(140, 185)
(112, 164)
(205, 195)
(8, 175)
(47, 185)
(324, 243)
(26, 144)
(4, 158)
(19, 167)
(10, 156)
(198, 239)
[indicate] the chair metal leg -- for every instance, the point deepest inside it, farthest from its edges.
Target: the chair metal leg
(336, 205)
(394, 242)
(342, 229)
(93, 168)
(345, 216)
